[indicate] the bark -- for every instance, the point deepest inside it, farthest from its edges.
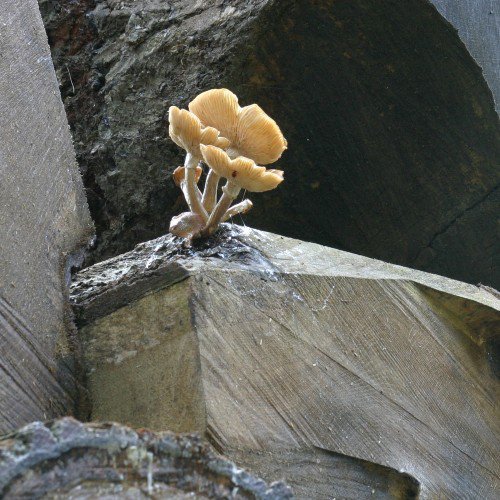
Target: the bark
(66, 459)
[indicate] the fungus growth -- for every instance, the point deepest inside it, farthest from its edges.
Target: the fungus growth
(230, 140)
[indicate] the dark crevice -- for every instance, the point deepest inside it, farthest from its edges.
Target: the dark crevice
(456, 219)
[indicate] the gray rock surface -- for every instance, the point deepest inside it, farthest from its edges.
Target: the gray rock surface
(67, 459)
(346, 376)
(393, 136)
(44, 220)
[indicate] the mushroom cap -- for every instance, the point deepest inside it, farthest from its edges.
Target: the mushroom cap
(217, 108)
(187, 132)
(253, 134)
(241, 171)
(179, 173)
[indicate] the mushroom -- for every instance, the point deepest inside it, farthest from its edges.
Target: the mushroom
(187, 225)
(186, 131)
(241, 173)
(214, 123)
(179, 176)
(251, 132)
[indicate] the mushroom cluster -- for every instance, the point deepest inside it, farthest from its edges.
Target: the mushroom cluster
(231, 141)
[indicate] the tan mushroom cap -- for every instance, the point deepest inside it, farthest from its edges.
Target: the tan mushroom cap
(253, 134)
(187, 132)
(217, 108)
(241, 171)
(179, 173)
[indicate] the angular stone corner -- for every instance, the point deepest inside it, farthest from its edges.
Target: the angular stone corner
(44, 222)
(343, 375)
(67, 459)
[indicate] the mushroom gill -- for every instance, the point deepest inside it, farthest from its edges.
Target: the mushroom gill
(251, 132)
(241, 171)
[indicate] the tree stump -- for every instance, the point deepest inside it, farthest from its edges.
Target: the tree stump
(346, 376)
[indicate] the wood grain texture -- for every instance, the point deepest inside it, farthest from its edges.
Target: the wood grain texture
(30, 379)
(142, 360)
(477, 23)
(360, 367)
(44, 220)
(319, 469)
(342, 374)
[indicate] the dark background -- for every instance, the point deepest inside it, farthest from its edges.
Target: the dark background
(393, 137)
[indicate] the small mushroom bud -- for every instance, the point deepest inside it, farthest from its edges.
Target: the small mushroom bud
(179, 175)
(186, 225)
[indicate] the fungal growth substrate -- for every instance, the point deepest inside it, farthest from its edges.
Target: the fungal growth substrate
(231, 141)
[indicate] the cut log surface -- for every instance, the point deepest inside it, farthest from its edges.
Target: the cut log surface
(44, 224)
(346, 376)
(393, 136)
(68, 460)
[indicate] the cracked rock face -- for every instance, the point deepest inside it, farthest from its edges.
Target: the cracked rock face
(67, 459)
(393, 137)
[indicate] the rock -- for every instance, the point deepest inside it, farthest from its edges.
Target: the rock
(44, 225)
(343, 375)
(393, 136)
(67, 459)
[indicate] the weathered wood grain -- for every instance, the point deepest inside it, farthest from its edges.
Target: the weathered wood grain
(477, 24)
(360, 367)
(320, 469)
(44, 220)
(302, 358)
(30, 385)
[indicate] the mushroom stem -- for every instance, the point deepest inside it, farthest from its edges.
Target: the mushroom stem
(190, 190)
(240, 208)
(209, 199)
(229, 192)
